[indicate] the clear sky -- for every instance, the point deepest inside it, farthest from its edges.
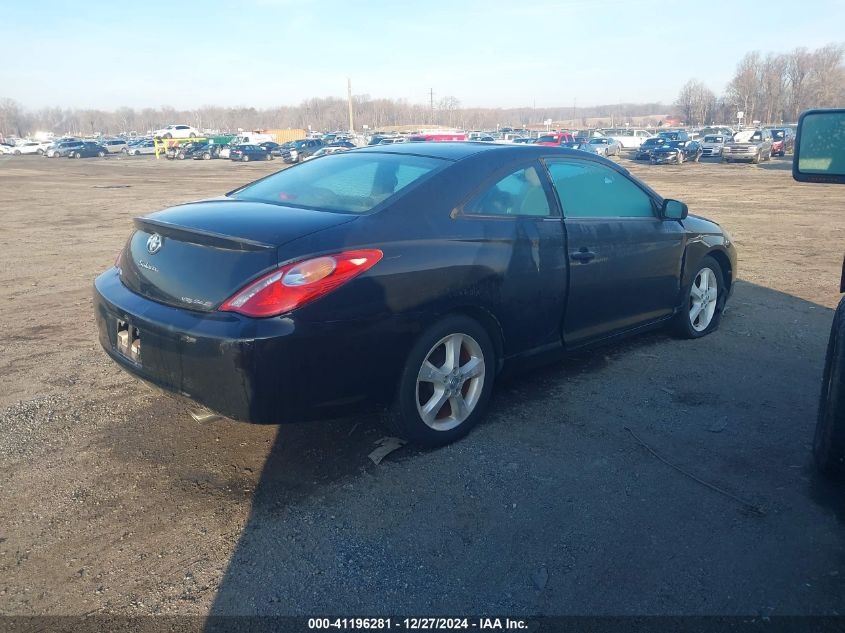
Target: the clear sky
(489, 53)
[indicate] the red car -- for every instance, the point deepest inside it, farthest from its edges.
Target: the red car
(783, 141)
(555, 138)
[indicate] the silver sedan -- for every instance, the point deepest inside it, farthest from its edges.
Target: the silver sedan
(606, 146)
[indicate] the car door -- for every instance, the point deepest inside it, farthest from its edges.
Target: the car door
(624, 261)
(515, 216)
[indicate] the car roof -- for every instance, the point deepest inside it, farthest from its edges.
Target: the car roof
(460, 150)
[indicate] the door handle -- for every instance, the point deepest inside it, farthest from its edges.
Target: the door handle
(582, 255)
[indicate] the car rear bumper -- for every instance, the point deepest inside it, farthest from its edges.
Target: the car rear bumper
(273, 370)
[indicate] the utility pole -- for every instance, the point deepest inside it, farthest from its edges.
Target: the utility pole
(349, 99)
(431, 99)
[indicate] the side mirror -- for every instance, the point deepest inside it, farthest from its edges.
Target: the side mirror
(820, 147)
(674, 210)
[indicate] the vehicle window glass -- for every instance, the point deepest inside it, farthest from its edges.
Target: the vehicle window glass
(520, 193)
(342, 182)
(590, 190)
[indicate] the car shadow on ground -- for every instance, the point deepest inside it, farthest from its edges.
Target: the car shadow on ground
(778, 163)
(554, 485)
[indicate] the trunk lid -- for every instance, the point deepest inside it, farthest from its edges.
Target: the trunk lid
(198, 255)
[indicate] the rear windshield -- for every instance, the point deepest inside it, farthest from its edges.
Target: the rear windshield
(344, 182)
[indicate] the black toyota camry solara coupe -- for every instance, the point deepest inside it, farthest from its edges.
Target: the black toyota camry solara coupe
(404, 279)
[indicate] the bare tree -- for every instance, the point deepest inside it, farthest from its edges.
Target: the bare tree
(798, 67)
(449, 105)
(773, 87)
(744, 89)
(697, 102)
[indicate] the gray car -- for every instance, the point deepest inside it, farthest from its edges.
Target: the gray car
(713, 144)
(141, 148)
(605, 146)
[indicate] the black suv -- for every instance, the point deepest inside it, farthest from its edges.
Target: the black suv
(300, 150)
(88, 149)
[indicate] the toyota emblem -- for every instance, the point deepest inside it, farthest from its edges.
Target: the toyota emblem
(154, 244)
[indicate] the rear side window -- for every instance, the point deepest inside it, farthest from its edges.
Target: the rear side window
(342, 182)
(520, 193)
(590, 190)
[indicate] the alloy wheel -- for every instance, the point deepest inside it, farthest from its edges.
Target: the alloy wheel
(704, 293)
(450, 382)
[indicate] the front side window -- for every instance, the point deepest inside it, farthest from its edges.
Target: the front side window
(589, 190)
(520, 193)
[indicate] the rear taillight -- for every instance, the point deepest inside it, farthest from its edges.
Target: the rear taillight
(296, 284)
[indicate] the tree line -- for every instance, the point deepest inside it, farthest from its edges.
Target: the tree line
(772, 89)
(328, 113)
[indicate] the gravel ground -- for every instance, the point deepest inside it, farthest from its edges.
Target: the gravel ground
(115, 501)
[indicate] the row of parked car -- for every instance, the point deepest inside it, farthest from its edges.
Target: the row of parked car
(754, 146)
(291, 152)
(667, 146)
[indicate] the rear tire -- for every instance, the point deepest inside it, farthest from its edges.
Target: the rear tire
(101, 154)
(704, 299)
(829, 437)
(168, 135)
(445, 386)
(268, 157)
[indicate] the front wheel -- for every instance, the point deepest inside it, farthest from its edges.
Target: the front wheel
(680, 157)
(245, 158)
(697, 157)
(446, 383)
(829, 438)
(705, 298)
(101, 154)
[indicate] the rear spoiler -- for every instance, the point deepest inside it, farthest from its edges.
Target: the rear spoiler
(199, 236)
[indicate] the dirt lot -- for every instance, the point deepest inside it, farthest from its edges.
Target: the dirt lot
(112, 499)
